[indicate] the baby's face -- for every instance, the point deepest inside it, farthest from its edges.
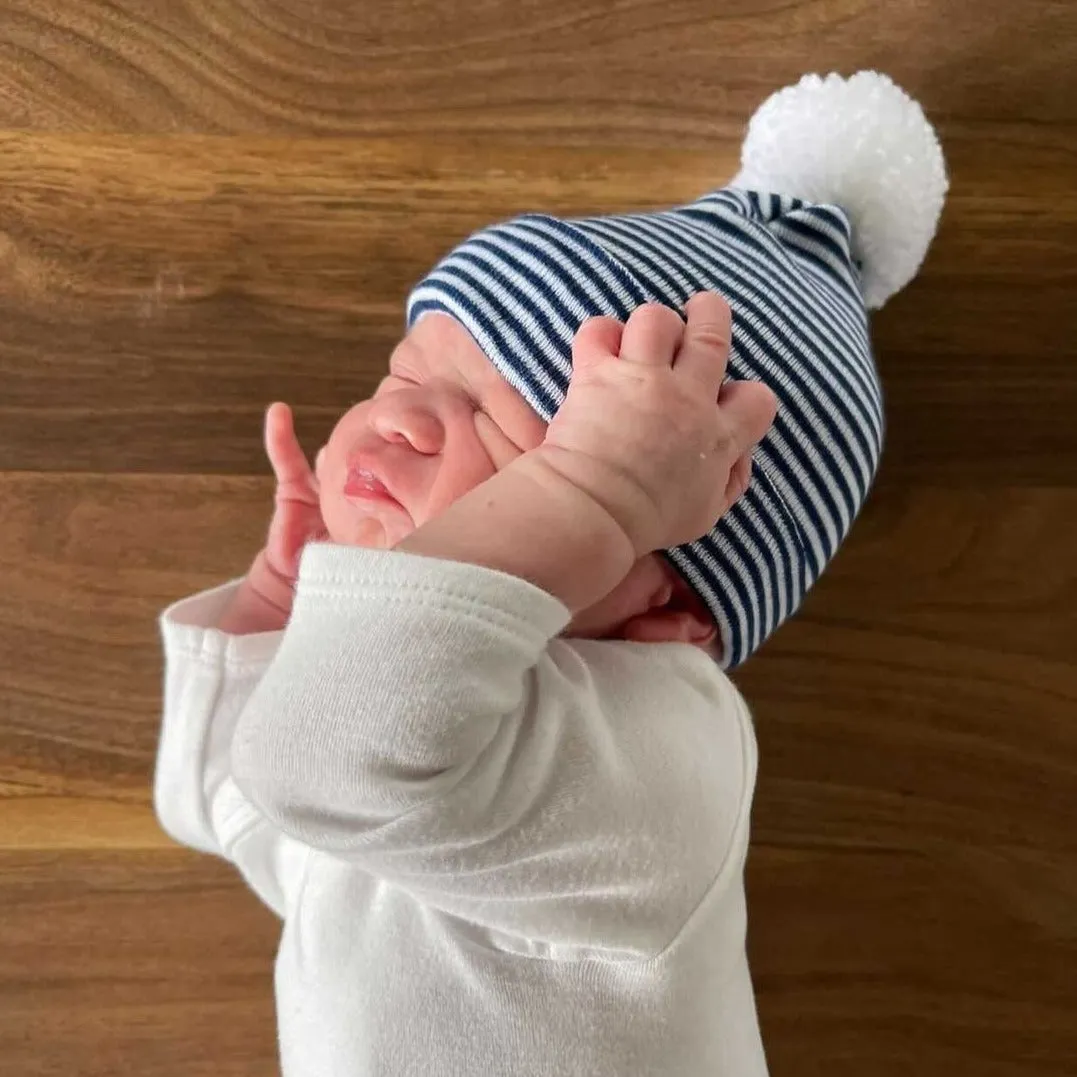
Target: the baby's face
(442, 422)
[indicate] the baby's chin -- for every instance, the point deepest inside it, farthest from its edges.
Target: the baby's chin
(372, 526)
(370, 534)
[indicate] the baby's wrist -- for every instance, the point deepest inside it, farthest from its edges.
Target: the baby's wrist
(598, 550)
(273, 587)
(530, 521)
(260, 603)
(612, 495)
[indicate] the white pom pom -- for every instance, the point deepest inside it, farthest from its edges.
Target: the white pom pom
(863, 144)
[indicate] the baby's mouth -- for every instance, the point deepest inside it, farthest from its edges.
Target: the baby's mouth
(366, 486)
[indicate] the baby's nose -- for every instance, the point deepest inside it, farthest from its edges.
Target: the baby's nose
(400, 421)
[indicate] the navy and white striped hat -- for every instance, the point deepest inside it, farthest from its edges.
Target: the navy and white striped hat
(798, 276)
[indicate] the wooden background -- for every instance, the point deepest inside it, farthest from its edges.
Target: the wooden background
(206, 205)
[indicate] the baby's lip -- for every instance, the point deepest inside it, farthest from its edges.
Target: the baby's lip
(364, 483)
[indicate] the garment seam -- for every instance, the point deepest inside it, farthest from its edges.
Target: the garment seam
(216, 661)
(728, 861)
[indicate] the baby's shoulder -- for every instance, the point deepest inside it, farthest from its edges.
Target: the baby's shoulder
(648, 676)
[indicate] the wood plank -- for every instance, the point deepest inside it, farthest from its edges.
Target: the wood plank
(550, 69)
(156, 963)
(155, 290)
(893, 963)
(924, 696)
(88, 563)
(926, 692)
(75, 823)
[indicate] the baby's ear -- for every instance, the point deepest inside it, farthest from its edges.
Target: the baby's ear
(680, 617)
(670, 626)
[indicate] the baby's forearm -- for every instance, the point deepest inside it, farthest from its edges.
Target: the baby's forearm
(529, 521)
(262, 603)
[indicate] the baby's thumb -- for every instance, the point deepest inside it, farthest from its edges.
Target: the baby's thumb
(597, 339)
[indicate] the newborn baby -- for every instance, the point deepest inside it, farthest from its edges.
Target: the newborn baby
(465, 724)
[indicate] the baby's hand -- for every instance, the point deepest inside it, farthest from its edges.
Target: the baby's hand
(649, 431)
(297, 518)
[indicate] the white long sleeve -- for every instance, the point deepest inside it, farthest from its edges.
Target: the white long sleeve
(209, 675)
(494, 850)
(421, 721)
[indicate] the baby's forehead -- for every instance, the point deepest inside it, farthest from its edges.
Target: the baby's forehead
(437, 345)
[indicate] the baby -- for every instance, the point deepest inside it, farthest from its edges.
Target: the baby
(465, 724)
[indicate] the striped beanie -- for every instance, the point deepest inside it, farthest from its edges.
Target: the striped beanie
(839, 194)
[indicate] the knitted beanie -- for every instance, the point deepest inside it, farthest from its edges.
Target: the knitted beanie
(839, 194)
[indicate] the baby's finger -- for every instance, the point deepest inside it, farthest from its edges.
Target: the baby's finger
(704, 350)
(748, 409)
(652, 335)
(285, 455)
(596, 339)
(740, 477)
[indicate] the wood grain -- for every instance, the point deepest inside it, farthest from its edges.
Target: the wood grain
(157, 959)
(146, 281)
(208, 205)
(962, 981)
(106, 967)
(630, 71)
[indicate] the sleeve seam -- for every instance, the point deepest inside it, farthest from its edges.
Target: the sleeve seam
(216, 658)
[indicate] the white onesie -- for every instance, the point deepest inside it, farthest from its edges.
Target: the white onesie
(496, 852)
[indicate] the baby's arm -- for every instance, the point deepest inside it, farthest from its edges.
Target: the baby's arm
(261, 602)
(217, 647)
(422, 720)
